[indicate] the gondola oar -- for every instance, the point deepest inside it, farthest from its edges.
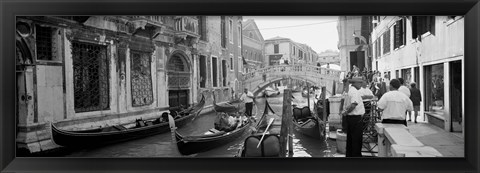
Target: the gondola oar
(265, 132)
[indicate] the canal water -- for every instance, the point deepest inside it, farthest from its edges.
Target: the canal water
(161, 146)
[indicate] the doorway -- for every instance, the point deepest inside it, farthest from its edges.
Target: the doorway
(456, 95)
(357, 58)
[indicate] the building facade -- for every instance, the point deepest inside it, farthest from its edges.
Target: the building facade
(279, 50)
(253, 43)
(353, 42)
(91, 71)
(328, 57)
(428, 50)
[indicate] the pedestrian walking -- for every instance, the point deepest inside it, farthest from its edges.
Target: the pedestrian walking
(416, 98)
(247, 98)
(353, 113)
(394, 105)
(403, 88)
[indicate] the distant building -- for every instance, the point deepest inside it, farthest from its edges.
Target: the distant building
(329, 57)
(253, 43)
(279, 50)
(427, 50)
(353, 36)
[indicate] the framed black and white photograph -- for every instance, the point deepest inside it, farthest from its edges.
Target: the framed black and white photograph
(239, 86)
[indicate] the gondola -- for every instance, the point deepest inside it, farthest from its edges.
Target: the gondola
(269, 92)
(229, 107)
(308, 123)
(270, 144)
(118, 133)
(188, 145)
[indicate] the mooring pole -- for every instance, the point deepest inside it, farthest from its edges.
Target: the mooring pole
(285, 131)
(324, 101)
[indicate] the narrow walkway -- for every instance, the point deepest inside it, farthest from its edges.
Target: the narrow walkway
(447, 143)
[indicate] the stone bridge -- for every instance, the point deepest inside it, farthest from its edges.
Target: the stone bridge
(258, 80)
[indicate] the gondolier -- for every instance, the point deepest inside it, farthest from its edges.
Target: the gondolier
(353, 113)
(247, 98)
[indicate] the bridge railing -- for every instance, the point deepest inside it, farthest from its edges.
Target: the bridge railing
(299, 69)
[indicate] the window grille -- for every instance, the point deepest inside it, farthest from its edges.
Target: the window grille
(44, 43)
(90, 77)
(141, 79)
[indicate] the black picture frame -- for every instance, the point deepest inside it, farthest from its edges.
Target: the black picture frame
(9, 9)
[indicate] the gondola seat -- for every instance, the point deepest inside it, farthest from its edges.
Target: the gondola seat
(270, 146)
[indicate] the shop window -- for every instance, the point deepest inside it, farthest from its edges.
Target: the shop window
(90, 77)
(434, 92)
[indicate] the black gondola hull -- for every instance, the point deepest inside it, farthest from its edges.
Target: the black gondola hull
(201, 144)
(90, 139)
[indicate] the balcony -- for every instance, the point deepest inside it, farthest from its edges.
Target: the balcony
(186, 26)
(153, 20)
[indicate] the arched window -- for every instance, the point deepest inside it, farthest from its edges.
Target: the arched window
(250, 35)
(176, 63)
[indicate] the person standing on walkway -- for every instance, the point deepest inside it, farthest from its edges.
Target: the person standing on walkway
(416, 98)
(353, 113)
(394, 104)
(247, 98)
(403, 88)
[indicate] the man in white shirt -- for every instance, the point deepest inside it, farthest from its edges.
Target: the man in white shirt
(394, 104)
(403, 88)
(365, 91)
(353, 114)
(247, 98)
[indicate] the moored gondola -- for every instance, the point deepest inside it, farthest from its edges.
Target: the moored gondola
(308, 123)
(118, 133)
(270, 143)
(188, 145)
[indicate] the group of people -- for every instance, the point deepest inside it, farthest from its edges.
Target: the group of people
(394, 104)
(228, 122)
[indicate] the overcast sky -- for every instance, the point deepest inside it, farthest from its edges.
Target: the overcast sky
(318, 32)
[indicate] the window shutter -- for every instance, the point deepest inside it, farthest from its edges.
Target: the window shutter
(414, 27)
(396, 41)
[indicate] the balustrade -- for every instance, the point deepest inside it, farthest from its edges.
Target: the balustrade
(186, 24)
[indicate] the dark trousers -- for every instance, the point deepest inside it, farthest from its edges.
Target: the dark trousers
(390, 121)
(248, 107)
(354, 127)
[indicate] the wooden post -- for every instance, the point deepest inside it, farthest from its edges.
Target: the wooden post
(324, 101)
(286, 124)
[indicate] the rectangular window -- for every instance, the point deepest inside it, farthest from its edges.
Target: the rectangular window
(90, 77)
(231, 63)
(379, 53)
(141, 78)
(202, 27)
(230, 30)
(240, 64)
(386, 41)
(224, 72)
(400, 34)
(422, 25)
(203, 71)
(275, 48)
(223, 31)
(239, 34)
(44, 43)
(214, 72)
